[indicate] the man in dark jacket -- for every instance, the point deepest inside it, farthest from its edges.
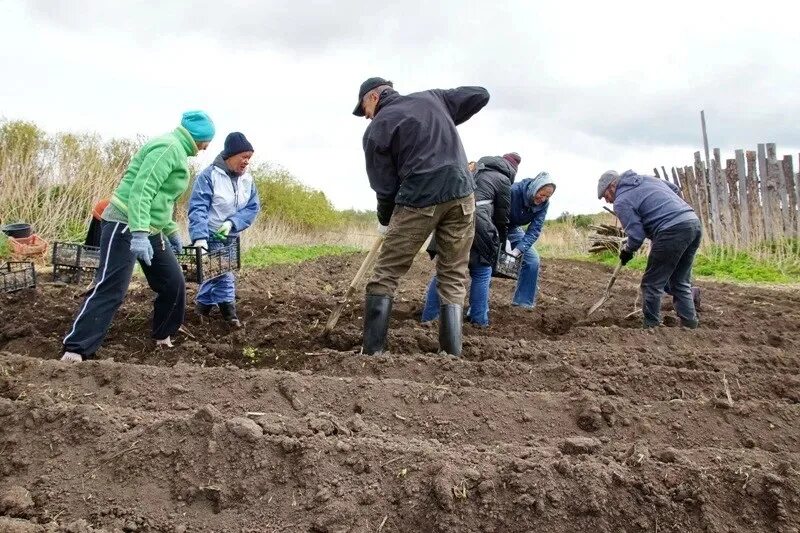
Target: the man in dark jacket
(652, 208)
(418, 169)
(493, 181)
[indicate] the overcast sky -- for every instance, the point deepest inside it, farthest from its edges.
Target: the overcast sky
(576, 87)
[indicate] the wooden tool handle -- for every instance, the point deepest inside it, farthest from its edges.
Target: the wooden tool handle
(366, 265)
(372, 255)
(614, 277)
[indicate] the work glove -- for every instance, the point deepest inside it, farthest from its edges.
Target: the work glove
(625, 256)
(141, 247)
(176, 242)
(224, 230)
(382, 229)
(201, 243)
(516, 252)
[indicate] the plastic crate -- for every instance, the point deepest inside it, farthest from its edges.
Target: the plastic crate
(17, 275)
(507, 266)
(74, 262)
(200, 266)
(25, 248)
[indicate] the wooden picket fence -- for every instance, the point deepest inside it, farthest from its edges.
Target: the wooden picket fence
(754, 199)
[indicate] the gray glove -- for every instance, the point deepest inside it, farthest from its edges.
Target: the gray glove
(141, 247)
(176, 242)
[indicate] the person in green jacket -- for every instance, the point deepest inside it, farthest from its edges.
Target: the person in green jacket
(137, 226)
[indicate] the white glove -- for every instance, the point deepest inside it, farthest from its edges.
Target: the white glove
(515, 252)
(201, 243)
(382, 229)
(508, 246)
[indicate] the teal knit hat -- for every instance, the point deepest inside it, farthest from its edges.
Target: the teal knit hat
(200, 125)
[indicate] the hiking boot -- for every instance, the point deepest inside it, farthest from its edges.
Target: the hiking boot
(377, 310)
(691, 324)
(228, 310)
(450, 324)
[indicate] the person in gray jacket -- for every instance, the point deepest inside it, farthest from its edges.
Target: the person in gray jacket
(652, 208)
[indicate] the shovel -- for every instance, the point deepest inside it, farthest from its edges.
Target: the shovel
(605, 297)
(369, 261)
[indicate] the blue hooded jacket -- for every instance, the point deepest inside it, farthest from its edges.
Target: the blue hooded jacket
(524, 211)
(646, 205)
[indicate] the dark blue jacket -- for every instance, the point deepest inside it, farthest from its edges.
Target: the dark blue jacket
(524, 211)
(413, 153)
(493, 181)
(646, 205)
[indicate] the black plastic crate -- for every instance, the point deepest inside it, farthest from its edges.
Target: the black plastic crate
(199, 266)
(17, 275)
(74, 262)
(507, 266)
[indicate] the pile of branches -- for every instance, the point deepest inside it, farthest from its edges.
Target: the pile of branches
(606, 238)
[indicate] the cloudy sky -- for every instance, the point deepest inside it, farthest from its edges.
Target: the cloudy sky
(576, 88)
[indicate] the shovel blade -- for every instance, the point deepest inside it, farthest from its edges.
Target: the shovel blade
(597, 305)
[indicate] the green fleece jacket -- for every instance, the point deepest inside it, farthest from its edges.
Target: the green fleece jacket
(156, 177)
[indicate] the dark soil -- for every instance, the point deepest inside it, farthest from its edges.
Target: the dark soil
(550, 422)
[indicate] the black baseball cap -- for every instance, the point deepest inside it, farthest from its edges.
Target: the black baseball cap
(366, 87)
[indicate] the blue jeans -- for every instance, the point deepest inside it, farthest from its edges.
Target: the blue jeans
(218, 290)
(670, 263)
(478, 297)
(525, 295)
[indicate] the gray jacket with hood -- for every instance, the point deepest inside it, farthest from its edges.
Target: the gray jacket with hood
(646, 205)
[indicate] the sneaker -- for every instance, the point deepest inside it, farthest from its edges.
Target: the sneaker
(71, 357)
(164, 343)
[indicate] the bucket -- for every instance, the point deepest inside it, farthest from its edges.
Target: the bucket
(18, 231)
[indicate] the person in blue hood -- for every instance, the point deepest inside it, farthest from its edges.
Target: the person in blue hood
(223, 204)
(530, 199)
(651, 208)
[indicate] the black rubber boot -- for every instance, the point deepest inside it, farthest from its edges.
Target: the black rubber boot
(696, 298)
(203, 309)
(377, 309)
(228, 310)
(450, 324)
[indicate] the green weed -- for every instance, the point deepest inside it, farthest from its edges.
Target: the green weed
(252, 355)
(263, 256)
(725, 264)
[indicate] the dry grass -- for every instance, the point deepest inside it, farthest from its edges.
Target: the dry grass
(53, 181)
(269, 231)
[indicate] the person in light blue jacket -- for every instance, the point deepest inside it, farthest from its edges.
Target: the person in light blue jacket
(530, 199)
(224, 203)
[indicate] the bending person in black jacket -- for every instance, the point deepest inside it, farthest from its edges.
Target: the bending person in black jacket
(418, 169)
(493, 181)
